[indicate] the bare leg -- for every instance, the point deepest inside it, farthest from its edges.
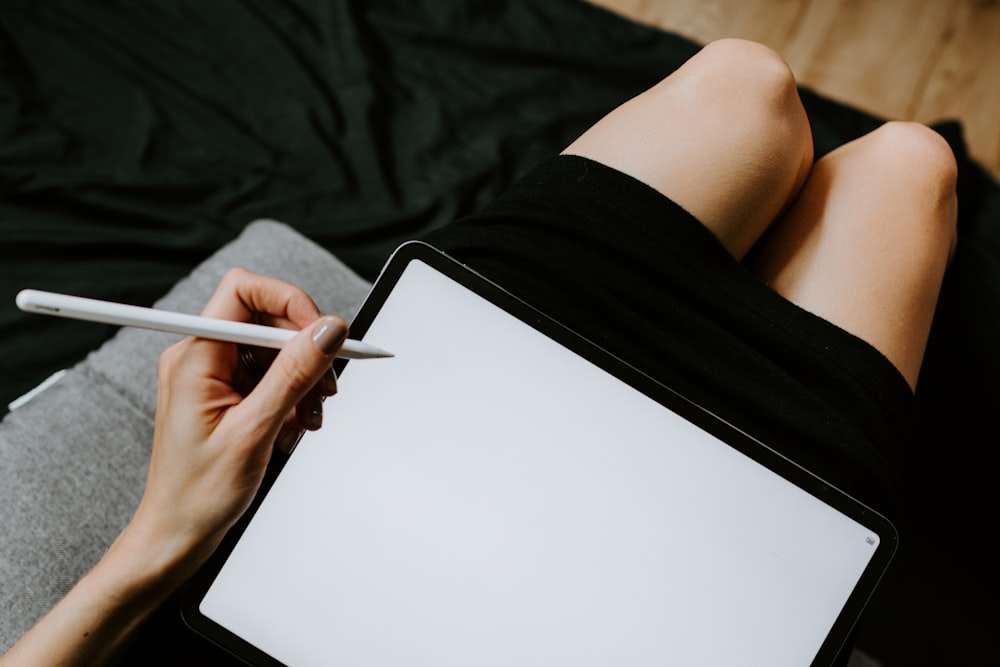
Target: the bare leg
(725, 137)
(866, 243)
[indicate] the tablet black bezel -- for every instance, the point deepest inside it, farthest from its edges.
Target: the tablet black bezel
(836, 639)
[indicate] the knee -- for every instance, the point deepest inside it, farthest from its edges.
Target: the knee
(917, 163)
(748, 86)
(755, 91)
(917, 154)
(752, 74)
(920, 160)
(733, 52)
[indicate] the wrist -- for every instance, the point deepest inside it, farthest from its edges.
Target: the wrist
(150, 558)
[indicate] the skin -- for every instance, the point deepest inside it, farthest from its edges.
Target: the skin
(860, 237)
(216, 425)
(868, 239)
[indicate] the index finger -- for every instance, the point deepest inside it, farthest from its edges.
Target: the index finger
(244, 296)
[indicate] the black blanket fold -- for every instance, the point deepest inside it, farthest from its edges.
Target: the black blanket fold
(137, 138)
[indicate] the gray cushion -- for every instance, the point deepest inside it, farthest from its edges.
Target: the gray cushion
(74, 457)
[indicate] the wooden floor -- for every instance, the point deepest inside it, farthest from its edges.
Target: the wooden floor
(923, 60)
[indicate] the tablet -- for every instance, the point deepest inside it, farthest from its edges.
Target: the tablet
(504, 492)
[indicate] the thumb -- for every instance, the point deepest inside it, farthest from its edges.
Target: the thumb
(297, 368)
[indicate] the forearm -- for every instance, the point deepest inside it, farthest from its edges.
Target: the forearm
(95, 620)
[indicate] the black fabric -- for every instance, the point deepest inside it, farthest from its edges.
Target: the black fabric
(137, 138)
(616, 261)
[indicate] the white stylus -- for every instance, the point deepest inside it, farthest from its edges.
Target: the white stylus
(107, 312)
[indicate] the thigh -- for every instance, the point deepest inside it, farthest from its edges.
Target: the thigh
(725, 137)
(866, 243)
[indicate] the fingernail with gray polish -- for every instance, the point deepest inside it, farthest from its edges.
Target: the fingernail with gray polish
(314, 419)
(330, 335)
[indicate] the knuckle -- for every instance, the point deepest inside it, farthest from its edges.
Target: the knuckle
(235, 275)
(169, 358)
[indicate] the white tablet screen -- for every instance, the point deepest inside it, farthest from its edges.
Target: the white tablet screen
(487, 497)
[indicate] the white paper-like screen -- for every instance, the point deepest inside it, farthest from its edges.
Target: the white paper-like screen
(487, 497)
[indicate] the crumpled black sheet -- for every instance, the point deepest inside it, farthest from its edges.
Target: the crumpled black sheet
(137, 138)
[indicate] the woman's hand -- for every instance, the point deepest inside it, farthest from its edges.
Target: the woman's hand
(216, 423)
(219, 413)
